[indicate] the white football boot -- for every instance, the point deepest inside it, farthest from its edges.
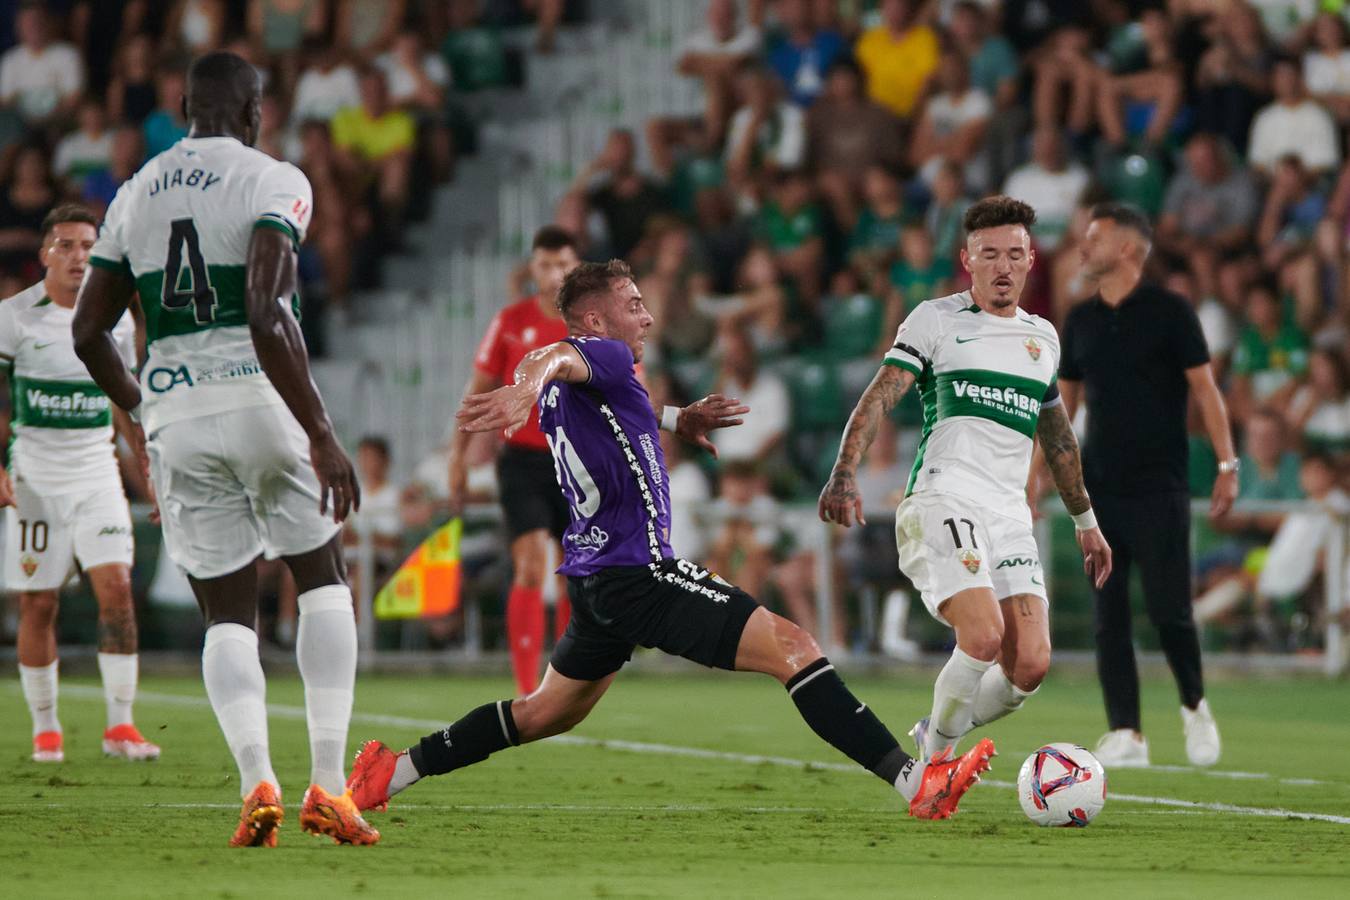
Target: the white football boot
(1202, 735)
(1122, 749)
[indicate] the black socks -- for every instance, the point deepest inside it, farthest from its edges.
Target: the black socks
(832, 711)
(470, 740)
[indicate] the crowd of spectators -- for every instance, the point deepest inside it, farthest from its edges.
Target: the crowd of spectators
(781, 235)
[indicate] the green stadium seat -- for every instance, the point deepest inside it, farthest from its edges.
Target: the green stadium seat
(852, 325)
(817, 395)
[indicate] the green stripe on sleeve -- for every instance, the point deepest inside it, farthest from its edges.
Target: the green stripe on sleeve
(903, 364)
(277, 225)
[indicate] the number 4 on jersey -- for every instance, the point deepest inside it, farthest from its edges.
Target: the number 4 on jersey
(198, 294)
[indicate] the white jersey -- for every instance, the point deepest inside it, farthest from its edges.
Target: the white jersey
(62, 422)
(983, 380)
(182, 226)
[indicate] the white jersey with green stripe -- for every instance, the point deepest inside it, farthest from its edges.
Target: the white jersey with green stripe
(61, 421)
(181, 227)
(983, 380)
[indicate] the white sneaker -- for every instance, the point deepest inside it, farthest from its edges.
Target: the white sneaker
(1202, 735)
(1122, 749)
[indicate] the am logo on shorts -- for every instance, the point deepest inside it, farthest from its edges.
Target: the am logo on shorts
(970, 559)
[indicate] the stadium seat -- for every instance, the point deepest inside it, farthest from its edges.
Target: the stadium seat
(817, 395)
(852, 325)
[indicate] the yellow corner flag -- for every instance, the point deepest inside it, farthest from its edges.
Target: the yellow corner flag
(427, 584)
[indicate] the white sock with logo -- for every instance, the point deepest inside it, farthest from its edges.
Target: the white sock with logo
(120, 673)
(996, 698)
(325, 649)
(953, 696)
(39, 689)
(238, 693)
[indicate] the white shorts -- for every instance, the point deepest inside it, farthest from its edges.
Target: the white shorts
(234, 485)
(948, 544)
(45, 537)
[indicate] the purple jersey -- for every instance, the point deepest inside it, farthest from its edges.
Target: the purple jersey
(607, 458)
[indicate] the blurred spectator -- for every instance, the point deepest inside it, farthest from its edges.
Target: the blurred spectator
(1065, 68)
(767, 133)
(760, 303)
(327, 84)
(374, 145)
(792, 225)
(197, 26)
(898, 56)
(474, 51)
(952, 125)
(165, 126)
(336, 224)
(994, 69)
(86, 149)
(368, 26)
(875, 240)
(274, 134)
(744, 526)
(126, 156)
(1326, 65)
(378, 520)
(689, 493)
(804, 52)
(27, 194)
(1269, 470)
(279, 27)
(713, 54)
(739, 375)
(1234, 75)
(1319, 412)
(547, 15)
(131, 93)
(1270, 358)
(1293, 124)
(848, 135)
(946, 208)
(418, 80)
(1052, 183)
(1208, 210)
(918, 275)
(671, 285)
(41, 79)
(1294, 207)
(625, 199)
(1142, 100)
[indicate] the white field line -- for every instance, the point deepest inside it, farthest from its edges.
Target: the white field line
(88, 692)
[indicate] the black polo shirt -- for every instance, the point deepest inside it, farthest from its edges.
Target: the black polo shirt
(1132, 361)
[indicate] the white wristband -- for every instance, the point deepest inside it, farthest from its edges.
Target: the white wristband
(670, 417)
(1085, 521)
(134, 414)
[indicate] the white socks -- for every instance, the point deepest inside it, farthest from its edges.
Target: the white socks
(996, 698)
(119, 671)
(325, 650)
(953, 696)
(405, 774)
(39, 689)
(238, 694)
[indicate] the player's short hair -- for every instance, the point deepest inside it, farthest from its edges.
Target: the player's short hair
(68, 212)
(587, 280)
(1124, 215)
(996, 211)
(553, 237)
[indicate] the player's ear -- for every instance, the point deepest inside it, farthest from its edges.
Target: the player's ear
(965, 259)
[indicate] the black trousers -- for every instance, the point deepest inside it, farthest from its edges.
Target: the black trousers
(1154, 533)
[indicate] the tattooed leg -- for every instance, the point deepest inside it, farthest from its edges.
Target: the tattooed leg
(116, 608)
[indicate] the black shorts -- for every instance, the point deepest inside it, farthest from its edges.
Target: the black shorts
(531, 498)
(672, 605)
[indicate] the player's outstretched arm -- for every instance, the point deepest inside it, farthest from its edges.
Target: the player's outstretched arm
(102, 300)
(270, 283)
(1060, 446)
(509, 406)
(840, 501)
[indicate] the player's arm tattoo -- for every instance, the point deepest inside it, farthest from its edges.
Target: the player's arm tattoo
(886, 389)
(1061, 456)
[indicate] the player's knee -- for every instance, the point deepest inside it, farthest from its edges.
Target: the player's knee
(795, 647)
(38, 607)
(537, 718)
(1031, 668)
(981, 640)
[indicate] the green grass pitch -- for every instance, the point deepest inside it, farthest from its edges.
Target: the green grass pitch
(647, 815)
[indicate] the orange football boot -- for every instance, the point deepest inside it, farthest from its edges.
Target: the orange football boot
(371, 773)
(47, 747)
(259, 819)
(946, 780)
(337, 817)
(127, 742)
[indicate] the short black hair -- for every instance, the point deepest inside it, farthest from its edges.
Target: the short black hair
(221, 84)
(68, 212)
(1124, 215)
(992, 212)
(589, 279)
(553, 237)
(378, 443)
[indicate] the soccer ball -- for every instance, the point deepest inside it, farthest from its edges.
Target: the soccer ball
(1062, 785)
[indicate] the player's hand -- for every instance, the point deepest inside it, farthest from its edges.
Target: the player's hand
(840, 501)
(506, 408)
(1225, 492)
(6, 489)
(702, 416)
(1096, 556)
(337, 478)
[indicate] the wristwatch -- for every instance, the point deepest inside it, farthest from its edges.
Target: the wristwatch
(1229, 466)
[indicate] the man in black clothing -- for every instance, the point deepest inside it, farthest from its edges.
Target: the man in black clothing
(1136, 351)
